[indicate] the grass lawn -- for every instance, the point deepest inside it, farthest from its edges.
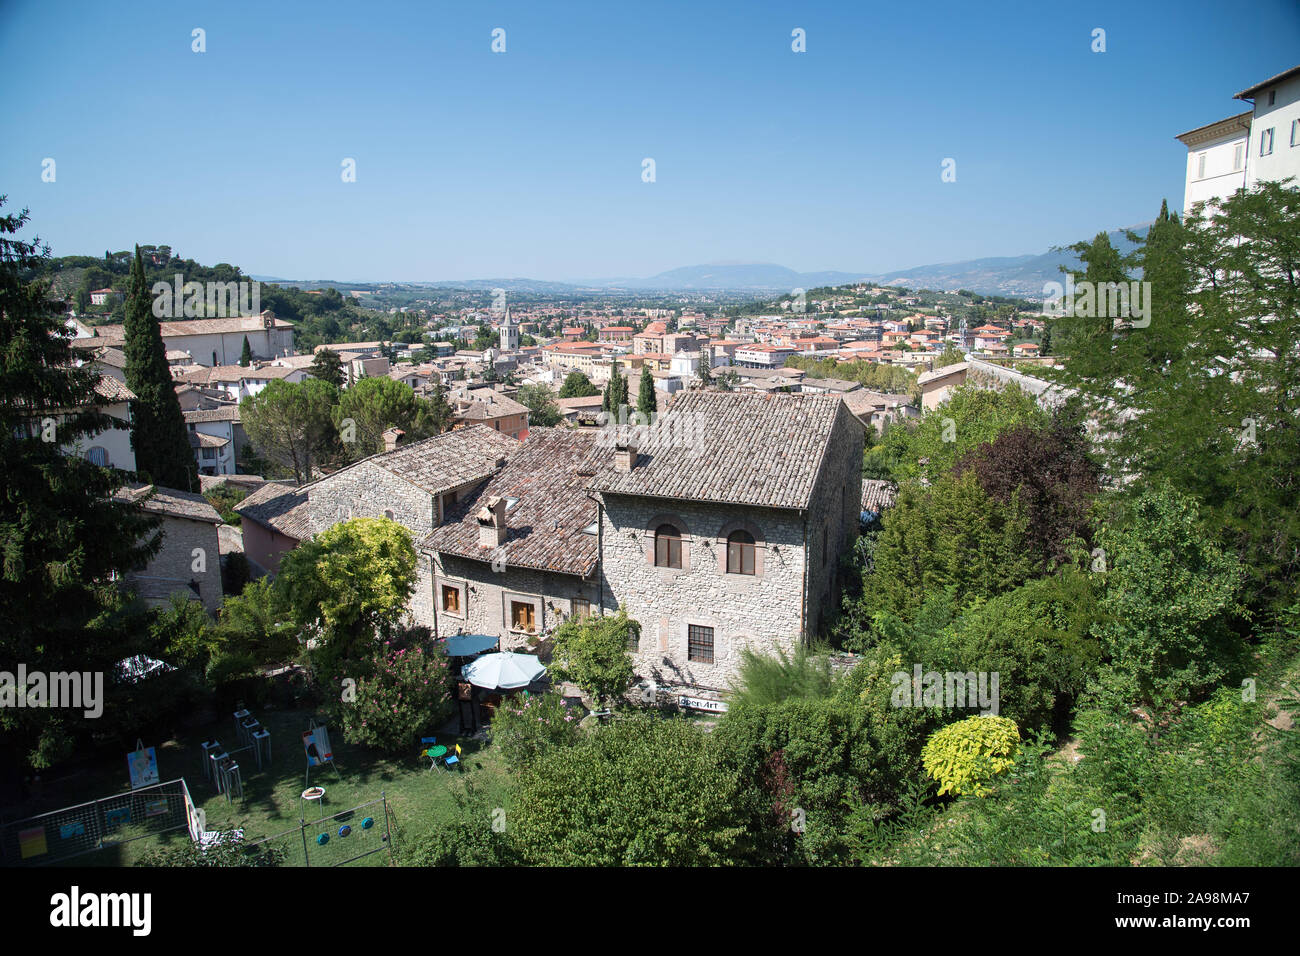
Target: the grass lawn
(419, 799)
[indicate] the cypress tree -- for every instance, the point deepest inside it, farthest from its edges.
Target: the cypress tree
(246, 356)
(645, 401)
(158, 435)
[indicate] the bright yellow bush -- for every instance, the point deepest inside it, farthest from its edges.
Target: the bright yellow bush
(965, 757)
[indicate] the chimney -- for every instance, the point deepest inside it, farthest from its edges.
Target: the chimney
(392, 437)
(492, 523)
(624, 457)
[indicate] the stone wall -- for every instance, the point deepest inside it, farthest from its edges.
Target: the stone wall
(173, 568)
(485, 597)
(834, 514)
(761, 611)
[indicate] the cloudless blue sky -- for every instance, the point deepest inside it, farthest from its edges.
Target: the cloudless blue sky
(472, 164)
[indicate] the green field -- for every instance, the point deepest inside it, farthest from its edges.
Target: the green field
(419, 799)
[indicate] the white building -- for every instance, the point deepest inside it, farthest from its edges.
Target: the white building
(1258, 145)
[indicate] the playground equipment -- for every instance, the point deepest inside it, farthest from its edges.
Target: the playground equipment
(219, 766)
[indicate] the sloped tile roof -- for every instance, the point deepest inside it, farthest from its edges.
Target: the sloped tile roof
(547, 476)
(448, 460)
(877, 495)
(113, 391)
(733, 447)
(226, 413)
(279, 506)
(171, 502)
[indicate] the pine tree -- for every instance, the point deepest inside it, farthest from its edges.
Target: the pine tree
(62, 535)
(645, 400)
(246, 356)
(158, 435)
(328, 367)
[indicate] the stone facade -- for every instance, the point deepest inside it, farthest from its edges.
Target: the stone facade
(484, 597)
(188, 564)
(366, 490)
(784, 602)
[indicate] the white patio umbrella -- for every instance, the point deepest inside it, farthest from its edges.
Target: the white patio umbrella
(504, 671)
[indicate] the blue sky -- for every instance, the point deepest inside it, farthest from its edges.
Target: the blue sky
(474, 164)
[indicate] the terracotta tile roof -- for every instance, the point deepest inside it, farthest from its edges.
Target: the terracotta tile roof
(547, 476)
(279, 506)
(247, 323)
(226, 413)
(877, 495)
(734, 447)
(113, 358)
(113, 391)
(448, 460)
(171, 502)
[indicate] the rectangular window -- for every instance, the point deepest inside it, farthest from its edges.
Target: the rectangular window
(1200, 166)
(450, 599)
(1266, 142)
(522, 616)
(1295, 132)
(1238, 156)
(699, 644)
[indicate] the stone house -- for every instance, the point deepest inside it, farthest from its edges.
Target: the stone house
(520, 555)
(721, 526)
(189, 561)
(414, 485)
(275, 520)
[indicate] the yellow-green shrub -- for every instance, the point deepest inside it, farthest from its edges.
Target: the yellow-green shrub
(964, 757)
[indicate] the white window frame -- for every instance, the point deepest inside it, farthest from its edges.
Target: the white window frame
(1266, 136)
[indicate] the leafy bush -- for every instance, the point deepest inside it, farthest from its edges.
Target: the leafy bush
(592, 653)
(965, 757)
(770, 679)
(406, 696)
(527, 726)
(231, 851)
(640, 791)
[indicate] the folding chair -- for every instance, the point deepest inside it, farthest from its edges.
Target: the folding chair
(452, 759)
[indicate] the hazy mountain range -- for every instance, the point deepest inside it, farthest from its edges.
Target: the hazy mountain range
(997, 275)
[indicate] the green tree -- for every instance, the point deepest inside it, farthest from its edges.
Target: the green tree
(540, 401)
(349, 587)
(1171, 602)
(577, 385)
(158, 434)
(970, 417)
(645, 400)
(246, 354)
(63, 537)
(373, 406)
(948, 535)
(643, 791)
(289, 424)
(592, 653)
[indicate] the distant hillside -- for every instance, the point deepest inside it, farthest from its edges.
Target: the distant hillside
(1007, 275)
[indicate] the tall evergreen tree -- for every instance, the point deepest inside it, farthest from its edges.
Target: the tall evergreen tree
(63, 537)
(246, 356)
(328, 367)
(158, 434)
(645, 400)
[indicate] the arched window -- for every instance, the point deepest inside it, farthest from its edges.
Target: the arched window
(668, 547)
(740, 552)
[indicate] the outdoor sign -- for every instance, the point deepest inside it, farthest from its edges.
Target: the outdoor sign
(142, 764)
(701, 703)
